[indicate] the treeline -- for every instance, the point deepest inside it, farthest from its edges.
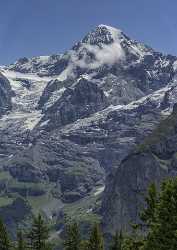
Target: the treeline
(35, 239)
(157, 230)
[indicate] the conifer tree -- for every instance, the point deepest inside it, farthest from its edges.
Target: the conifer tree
(148, 214)
(131, 243)
(163, 231)
(84, 245)
(135, 241)
(38, 234)
(4, 238)
(96, 239)
(72, 241)
(20, 241)
(117, 241)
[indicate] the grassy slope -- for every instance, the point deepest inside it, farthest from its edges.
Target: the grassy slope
(81, 211)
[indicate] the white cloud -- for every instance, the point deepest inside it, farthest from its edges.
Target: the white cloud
(105, 54)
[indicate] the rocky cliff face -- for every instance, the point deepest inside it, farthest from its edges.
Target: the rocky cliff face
(5, 95)
(151, 161)
(84, 99)
(74, 117)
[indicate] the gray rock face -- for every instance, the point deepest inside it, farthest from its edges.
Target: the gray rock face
(57, 161)
(124, 196)
(5, 95)
(41, 65)
(52, 86)
(153, 161)
(76, 103)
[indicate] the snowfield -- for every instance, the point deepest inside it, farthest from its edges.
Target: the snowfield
(25, 99)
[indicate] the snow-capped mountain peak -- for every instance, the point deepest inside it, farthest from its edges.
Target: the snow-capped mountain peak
(104, 46)
(123, 68)
(103, 34)
(100, 47)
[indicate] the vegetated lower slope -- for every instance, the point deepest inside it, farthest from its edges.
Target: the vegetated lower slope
(74, 117)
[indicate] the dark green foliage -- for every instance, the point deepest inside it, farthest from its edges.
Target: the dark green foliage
(163, 229)
(4, 238)
(38, 234)
(117, 241)
(96, 239)
(134, 241)
(20, 241)
(48, 246)
(84, 245)
(131, 243)
(148, 214)
(72, 241)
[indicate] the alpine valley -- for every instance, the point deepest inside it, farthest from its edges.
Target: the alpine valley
(85, 132)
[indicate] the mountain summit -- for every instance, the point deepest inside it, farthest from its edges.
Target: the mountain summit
(104, 46)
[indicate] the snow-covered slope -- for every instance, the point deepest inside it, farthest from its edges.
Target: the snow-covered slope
(27, 89)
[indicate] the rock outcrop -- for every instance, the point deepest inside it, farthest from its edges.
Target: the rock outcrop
(5, 95)
(151, 161)
(81, 101)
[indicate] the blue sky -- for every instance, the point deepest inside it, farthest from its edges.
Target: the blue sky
(42, 27)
